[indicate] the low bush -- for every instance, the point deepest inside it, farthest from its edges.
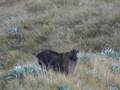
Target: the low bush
(111, 53)
(19, 71)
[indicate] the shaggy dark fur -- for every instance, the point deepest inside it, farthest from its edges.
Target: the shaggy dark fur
(61, 62)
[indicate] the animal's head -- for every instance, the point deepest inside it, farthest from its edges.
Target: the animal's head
(73, 54)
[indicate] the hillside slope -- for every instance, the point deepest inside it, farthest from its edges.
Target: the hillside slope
(26, 26)
(61, 24)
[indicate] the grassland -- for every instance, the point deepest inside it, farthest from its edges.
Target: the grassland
(60, 25)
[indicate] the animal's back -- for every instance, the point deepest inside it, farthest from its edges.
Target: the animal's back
(47, 57)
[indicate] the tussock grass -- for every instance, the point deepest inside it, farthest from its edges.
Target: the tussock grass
(96, 74)
(60, 25)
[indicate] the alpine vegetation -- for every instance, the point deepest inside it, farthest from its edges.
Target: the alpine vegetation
(22, 70)
(63, 87)
(112, 88)
(111, 53)
(115, 68)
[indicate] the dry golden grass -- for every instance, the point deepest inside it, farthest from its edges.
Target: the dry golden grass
(100, 79)
(60, 25)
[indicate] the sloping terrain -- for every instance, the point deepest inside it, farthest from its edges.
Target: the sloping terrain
(26, 26)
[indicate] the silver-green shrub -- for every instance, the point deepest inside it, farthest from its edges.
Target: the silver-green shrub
(111, 53)
(115, 68)
(22, 70)
(112, 88)
(63, 87)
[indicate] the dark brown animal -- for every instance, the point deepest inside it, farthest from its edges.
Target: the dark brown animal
(60, 62)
